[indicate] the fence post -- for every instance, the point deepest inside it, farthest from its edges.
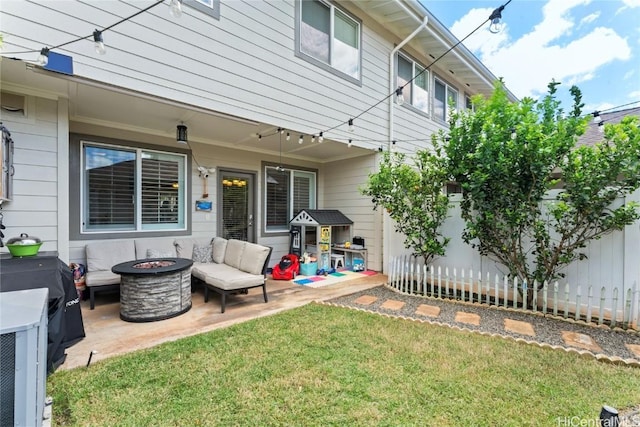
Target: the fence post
(578, 298)
(545, 295)
(506, 291)
(566, 300)
(589, 303)
(614, 308)
(603, 290)
(555, 298)
(439, 282)
(515, 292)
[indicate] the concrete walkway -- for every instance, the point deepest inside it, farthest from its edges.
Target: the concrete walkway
(107, 335)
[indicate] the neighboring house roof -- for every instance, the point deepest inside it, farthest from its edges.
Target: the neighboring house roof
(593, 134)
(320, 217)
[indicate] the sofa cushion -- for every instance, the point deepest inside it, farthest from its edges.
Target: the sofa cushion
(253, 258)
(163, 244)
(184, 245)
(105, 254)
(219, 249)
(233, 254)
(228, 278)
(101, 278)
(202, 253)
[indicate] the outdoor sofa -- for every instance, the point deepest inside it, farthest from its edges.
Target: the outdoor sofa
(224, 266)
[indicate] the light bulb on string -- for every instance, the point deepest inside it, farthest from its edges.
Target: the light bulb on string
(349, 144)
(43, 58)
(321, 137)
(399, 96)
(288, 136)
(175, 8)
(99, 42)
(596, 117)
(300, 140)
(313, 138)
(351, 127)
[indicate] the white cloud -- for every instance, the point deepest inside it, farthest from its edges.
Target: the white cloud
(589, 18)
(634, 95)
(530, 62)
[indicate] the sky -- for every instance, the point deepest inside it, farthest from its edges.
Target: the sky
(593, 44)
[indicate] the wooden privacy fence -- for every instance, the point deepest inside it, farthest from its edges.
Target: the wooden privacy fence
(610, 305)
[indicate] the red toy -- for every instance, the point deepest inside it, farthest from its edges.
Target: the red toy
(287, 269)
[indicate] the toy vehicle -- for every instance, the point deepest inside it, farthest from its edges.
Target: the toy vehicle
(287, 269)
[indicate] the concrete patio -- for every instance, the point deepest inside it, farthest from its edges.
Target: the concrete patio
(107, 335)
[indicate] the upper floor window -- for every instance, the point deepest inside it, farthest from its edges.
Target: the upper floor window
(443, 96)
(210, 7)
(468, 103)
(415, 93)
(129, 189)
(329, 37)
(287, 193)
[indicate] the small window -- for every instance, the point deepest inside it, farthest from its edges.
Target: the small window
(210, 7)
(287, 193)
(444, 97)
(329, 37)
(468, 104)
(417, 92)
(129, 189)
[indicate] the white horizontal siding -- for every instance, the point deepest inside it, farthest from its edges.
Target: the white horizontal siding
(34, 206)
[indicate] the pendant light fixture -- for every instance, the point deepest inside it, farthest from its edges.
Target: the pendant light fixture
(181, 134)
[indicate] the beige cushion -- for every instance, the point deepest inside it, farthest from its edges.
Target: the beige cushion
(219, 249)
(105, 254)
(101, 278)
(253, 258)
(184, 245)
(233, 254)
(165, 245)
(229, 278)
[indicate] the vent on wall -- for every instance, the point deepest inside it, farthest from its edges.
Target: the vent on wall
(12, 103)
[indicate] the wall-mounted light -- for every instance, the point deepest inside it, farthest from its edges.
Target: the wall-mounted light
(43, 59)
(181, 134)
(99, 42)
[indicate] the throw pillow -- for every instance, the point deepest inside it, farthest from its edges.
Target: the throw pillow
(157, 253)
(202, 253)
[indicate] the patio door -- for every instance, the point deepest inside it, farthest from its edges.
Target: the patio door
(236, 205)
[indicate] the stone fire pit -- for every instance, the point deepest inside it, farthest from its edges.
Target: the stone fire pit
(154, 289)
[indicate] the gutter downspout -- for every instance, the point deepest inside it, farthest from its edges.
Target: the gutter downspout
(386, 223)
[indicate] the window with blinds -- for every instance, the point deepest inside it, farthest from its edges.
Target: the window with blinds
(132, 189)
(287, 193)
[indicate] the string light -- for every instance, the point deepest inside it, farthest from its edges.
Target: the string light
(300, 140)
(99, 43)
(349, 144)
(596, 117)
(43, 59)
(321, 137)
(351, 128)
(313, 138)
(175, 8)
(288, 136)
(399, 96)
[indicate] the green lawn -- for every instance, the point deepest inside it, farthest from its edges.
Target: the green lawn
(320, 365)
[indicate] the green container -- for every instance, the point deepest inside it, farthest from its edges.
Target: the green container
(24, 250)
(24, 245)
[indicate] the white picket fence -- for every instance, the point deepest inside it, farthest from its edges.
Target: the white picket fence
(615, 307)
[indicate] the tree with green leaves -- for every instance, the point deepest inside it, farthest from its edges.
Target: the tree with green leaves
(505, 156)
(413, 198)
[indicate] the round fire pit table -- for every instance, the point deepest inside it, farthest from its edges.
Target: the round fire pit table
(154, 289)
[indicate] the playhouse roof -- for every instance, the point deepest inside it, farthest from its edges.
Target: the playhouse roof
(320, 217)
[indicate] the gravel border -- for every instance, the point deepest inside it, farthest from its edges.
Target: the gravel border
(548, 329)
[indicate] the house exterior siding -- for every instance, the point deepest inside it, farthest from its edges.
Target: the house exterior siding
(241, 68)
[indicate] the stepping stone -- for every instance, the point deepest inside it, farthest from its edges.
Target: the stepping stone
(635, 349)
(469, 318)
(574, 339)
(428, 310)
(366, 300)
(519, 327)
(392, 304)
